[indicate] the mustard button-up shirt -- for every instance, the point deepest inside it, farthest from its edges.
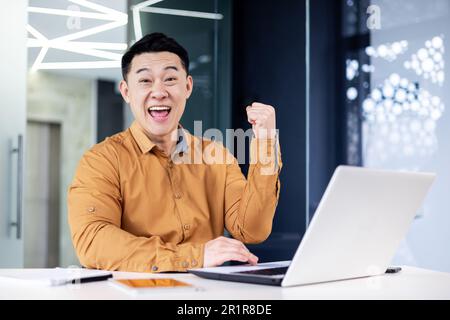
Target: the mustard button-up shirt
(131, 208)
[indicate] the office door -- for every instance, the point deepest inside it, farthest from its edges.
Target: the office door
(41, 204)
(13, 64)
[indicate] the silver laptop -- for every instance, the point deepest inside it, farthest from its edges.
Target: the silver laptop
(355, 232)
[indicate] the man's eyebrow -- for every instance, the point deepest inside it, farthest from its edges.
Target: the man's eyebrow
(143, 69)
(171, 67)
(148, 70)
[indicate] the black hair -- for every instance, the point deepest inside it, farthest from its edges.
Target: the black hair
(154, 42)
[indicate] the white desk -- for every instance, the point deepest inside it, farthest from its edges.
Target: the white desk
(410, 283)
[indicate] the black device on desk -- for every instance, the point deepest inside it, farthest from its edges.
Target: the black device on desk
(393, 269)
(90, 279)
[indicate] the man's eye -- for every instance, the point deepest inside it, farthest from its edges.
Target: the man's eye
(144, 81)
(171, 79)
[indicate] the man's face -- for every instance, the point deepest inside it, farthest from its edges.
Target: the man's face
(157, 89)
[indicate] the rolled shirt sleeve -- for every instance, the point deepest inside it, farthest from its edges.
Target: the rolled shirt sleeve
(250, 203)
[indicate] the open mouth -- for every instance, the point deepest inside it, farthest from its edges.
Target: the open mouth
(159, 113)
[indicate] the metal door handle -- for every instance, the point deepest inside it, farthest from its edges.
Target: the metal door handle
(19, 151)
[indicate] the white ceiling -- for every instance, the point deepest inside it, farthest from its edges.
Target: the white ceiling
(53, 26)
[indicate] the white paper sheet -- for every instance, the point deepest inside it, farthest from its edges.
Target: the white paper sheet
(49, 277)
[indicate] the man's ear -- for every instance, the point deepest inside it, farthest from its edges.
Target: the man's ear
(123, 87)
(189, 86)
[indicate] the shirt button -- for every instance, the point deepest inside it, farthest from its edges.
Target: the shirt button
(194, 263)
(91, 209)
(185, 264)
(187, 227)
(170, 165)
(154, 268)
(177, 196)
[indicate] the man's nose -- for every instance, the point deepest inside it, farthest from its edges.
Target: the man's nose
(158, 91)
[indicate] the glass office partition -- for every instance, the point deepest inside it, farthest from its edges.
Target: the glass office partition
(396, 104)
(202, 27)
(12, 131)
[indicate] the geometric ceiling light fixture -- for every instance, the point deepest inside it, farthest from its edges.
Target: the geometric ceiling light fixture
(114, 19)
(145, 6)
(428, 62)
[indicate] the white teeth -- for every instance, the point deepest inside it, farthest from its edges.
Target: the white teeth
(158, 108)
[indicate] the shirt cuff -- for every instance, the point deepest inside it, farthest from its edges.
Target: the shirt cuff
(265, 153)
(187, 256)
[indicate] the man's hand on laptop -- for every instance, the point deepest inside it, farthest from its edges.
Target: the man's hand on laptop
(222, 249)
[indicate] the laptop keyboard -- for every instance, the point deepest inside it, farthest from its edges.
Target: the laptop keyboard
(266, 272)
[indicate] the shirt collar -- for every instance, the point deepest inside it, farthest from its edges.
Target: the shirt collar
(146, 145)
